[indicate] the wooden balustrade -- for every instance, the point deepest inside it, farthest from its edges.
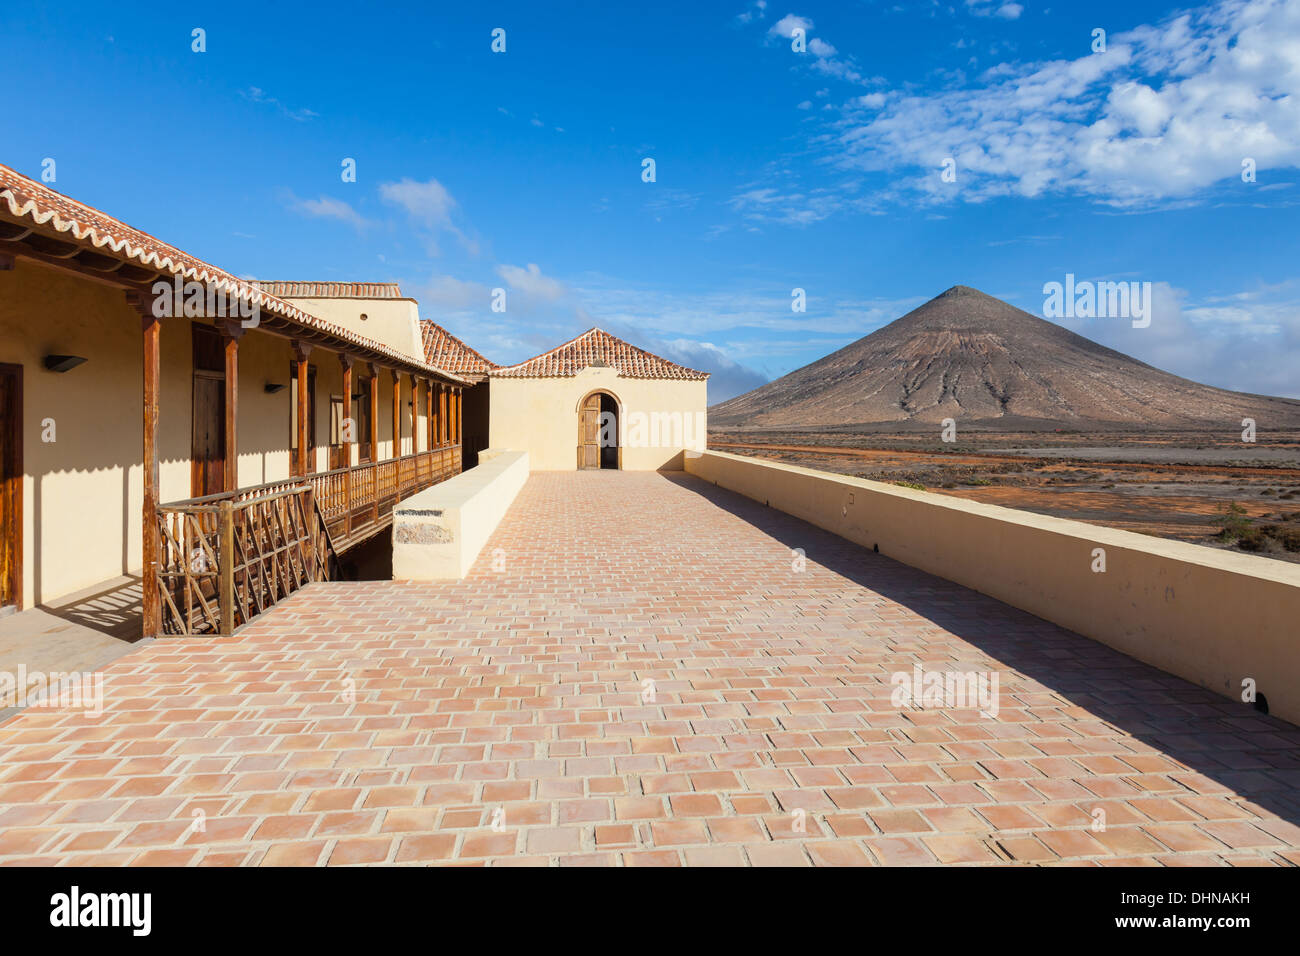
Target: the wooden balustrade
(226, 558)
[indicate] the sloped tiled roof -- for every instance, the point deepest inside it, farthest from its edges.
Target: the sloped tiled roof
(330, 290)
(24, 200)
(444, 350)
(598, 347)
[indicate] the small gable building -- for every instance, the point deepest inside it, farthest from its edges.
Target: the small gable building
(594, 402)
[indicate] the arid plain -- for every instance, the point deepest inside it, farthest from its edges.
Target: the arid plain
(1209, 489)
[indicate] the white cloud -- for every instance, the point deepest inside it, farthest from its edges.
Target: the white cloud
(255, 94)
(428, 202)
(448, 292)
(326, 207)
(744, 336)
(786, 26)
(531, 282)
(727, 377)
(741, 311)
(822, 55)
(665, 199)
(1166, 112)
(1246, 341)
(990, 8)
(793, 205)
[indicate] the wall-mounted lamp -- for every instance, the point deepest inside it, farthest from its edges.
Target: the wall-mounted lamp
(272, 387)
(62, 363)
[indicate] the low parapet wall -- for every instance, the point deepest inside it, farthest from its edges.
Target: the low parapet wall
(1213, 617)
(438, 533)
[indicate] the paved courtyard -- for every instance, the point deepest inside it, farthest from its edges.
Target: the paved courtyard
(641, 670)
(80, 632)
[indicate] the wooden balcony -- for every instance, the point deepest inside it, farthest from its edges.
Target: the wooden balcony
(226, 558)
(357, 503)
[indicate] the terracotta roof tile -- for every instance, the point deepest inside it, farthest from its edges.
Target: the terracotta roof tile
(598, 347)
(24, 200)
(330, 290)
(444, 350)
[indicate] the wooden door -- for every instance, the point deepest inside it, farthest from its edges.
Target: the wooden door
(336, 432)
(589, 432)
(364, 418)
(11, 484)
(208, 425)
(208, 455)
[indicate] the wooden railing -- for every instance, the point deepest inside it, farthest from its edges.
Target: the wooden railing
(357, 502)
(226, 558)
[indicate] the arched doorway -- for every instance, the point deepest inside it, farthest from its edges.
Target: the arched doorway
(598, 424)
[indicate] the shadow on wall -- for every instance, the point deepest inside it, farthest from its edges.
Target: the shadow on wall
(1226, 742)
(68, 476)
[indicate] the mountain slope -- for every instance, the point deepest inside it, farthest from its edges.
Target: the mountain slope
(968, 356)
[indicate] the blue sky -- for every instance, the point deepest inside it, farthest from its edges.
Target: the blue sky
(775, 169)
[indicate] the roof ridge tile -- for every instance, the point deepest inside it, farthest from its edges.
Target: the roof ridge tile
(598, 347)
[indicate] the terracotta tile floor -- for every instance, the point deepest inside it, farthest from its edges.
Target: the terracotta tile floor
(638, 673)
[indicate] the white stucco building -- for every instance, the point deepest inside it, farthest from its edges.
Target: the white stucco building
(593, 402)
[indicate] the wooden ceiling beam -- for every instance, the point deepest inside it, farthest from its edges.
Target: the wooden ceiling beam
(139, 274)
(54, 248)
(114, 280)
(98, 261)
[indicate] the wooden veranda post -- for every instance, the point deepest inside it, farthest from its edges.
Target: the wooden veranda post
(374, 438)
(346, 429)
(428, 415)
(437, 414)
(415, 415)
(231, 332)
(303, 381)
(226, 555)
(442, 415)
(151, 601)
(397, 414)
